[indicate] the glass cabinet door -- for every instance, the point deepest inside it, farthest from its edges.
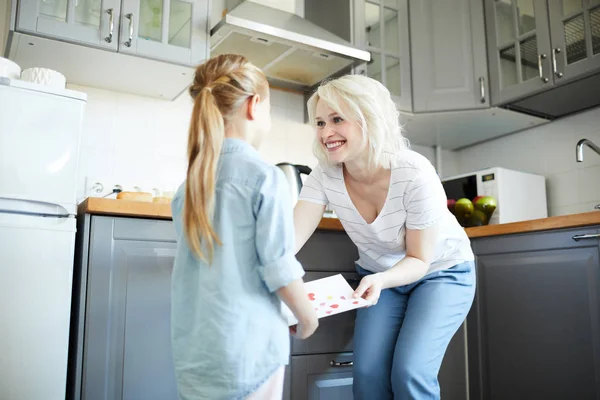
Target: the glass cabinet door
(518, 47)
(169, 30)
(575, 32)
(386, 36)
(92, 22)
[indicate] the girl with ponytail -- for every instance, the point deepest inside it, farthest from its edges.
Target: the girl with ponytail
(235, 258)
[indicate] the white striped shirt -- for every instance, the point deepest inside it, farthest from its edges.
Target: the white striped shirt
(415, 200)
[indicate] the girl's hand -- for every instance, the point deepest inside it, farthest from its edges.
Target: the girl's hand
(370, 288)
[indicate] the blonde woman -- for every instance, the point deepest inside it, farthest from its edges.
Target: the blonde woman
(235, 246)
(415, 259)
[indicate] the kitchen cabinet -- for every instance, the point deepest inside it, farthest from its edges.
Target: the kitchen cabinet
(449, 63)
(382, 29)
(534, 45)
(175, 31)
(121, 346)
(322, 376)
(534, 330)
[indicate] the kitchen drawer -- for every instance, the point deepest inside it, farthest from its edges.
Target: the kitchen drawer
(335, 334)
(328, 251)
(323, 376)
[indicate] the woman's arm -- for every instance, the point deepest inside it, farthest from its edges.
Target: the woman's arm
(307, 216)
(420, 247)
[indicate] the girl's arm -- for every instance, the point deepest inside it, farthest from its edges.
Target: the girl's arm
(295, 297)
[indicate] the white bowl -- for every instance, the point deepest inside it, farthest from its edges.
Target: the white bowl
(9, 69)
(44, 76)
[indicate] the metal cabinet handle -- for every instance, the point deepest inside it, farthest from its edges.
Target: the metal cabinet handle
(540, 67)
(130, 18)
(554, 68)
(111, 25)
(336, 364)
(577, 238)
(482, 88)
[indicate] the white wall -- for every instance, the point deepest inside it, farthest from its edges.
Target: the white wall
(138, 141)
(548, 150)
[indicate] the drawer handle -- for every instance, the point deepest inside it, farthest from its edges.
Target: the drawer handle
(541, 68)
(130, 18)
(111, 25)
(577, 238)
(336, 364)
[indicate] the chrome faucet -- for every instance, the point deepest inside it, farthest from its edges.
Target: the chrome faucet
(579, 148)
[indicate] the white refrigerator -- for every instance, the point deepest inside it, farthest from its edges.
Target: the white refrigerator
(39, 152)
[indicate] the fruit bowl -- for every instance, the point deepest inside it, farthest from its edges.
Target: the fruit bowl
(473, 213)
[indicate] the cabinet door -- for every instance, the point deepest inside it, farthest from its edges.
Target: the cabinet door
(453, 372)
(449, 64)
(90, 22)
(575, 32)
(323, 376)
(382, 29)
(519, 51)
(168, 30)
(127, 347)
(536, 319)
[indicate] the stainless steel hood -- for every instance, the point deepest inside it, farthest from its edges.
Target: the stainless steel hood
(292, 51)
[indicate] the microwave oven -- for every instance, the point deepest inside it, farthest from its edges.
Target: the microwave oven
(520, 196)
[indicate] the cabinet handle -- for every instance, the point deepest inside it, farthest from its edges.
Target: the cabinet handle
(336, 364)
(554, 68)
(130, 18)
(577, 238)
(540, 67)
(482, 88)
(111, 25)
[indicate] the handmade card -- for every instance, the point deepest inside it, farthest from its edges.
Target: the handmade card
(329, 296)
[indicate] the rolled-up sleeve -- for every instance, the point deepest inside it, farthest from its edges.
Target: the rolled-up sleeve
(424, 200)
(275, 240)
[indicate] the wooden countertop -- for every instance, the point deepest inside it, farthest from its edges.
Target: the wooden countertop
(99, 206)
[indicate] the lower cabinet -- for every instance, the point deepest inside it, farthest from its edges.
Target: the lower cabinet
(322, 376)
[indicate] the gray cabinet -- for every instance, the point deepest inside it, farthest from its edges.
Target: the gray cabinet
(121, 345)
(175, 31)
(381, 27)
(534, 331)
(449, 63)
(575, 37)
(322, 376)
(534, 45)
(88, 22)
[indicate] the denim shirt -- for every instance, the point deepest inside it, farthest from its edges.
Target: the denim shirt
(228, 332)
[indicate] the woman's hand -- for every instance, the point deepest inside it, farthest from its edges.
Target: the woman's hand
(370, 288)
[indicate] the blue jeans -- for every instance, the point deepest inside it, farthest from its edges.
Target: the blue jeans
(399, 343)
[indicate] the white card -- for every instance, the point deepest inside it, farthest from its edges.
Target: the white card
(329, 296)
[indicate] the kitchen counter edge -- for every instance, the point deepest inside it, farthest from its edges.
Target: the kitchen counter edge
(123, 208)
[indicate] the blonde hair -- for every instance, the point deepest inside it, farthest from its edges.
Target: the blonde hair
(366, 101)
(220, 88)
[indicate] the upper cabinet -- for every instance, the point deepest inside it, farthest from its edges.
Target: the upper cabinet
(534, 45)
(449, 63)
(575, 37)
(169, 30)
(164, 29)
(89, 22)
(383, 31)
(430, 55)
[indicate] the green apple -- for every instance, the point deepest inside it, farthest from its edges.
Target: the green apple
(487, 205)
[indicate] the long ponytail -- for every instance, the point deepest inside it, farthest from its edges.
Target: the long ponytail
(221, 86)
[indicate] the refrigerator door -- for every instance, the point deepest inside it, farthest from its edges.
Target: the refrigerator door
(39, 144)
(36, 265)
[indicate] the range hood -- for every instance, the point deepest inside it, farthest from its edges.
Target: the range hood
(292, 51)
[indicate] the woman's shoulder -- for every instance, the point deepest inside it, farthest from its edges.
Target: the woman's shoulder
(410, 163)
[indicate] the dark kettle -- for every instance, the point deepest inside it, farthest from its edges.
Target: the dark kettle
(292, 173)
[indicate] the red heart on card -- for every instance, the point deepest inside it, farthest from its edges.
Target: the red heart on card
(311, 296)
(355, 302)
(327, 312)
(334, 306)
(342, 297)
(322, 304)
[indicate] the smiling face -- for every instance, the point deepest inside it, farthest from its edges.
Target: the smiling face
(341, 139)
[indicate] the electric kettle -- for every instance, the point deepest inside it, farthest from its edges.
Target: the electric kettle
(292, 173)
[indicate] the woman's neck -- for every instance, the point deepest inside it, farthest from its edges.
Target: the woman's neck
(359, 171)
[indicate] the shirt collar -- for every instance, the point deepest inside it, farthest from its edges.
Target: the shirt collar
(231, 145)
